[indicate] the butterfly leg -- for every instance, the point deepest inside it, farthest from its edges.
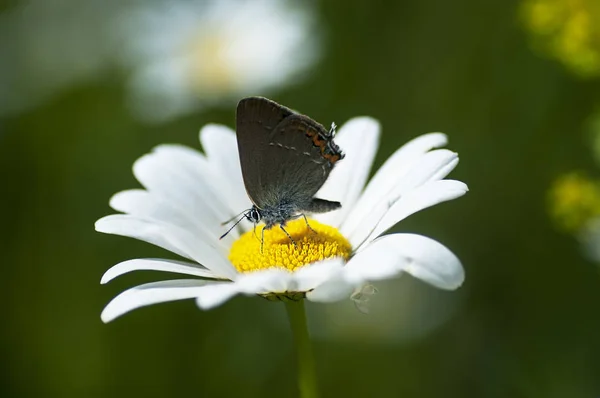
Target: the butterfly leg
(305, 220)
(288, 235)
(307, 224)
(254, 232)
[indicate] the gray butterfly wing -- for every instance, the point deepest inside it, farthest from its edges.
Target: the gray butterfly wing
(256, 119)
(284, 155)
(298, 167)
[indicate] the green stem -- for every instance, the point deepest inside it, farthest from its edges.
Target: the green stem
(307, 378)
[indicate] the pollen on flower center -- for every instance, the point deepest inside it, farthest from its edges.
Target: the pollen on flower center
(278, 250)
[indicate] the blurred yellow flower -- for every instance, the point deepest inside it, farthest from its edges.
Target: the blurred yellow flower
(574, 201)
(568, 30)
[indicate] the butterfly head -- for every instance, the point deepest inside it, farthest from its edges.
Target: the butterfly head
(253, 215)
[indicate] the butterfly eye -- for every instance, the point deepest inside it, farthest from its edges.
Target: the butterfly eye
(253, 215)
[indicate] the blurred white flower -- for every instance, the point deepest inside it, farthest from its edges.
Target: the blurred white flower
(188, 194)
(46, 46)
(186, 54)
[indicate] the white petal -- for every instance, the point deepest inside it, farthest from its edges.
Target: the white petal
(375, 262)
(200, 171)
(335, 288)
(220, 145)
(147, 205)
(420, 256)
(395, 168)
(168, 237)
(358, 139)
(149, 231)
(420, 198)
(276, 280)
(156, 264)
(313, 275)
(430, 167)
(183, 177)
(270, 280)
(214, 295)
(151, 293)
(139, 202)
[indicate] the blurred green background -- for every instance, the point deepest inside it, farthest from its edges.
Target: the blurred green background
(526, 323)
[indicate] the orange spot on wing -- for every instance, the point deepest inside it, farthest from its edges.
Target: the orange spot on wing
(323, 144)
(318, 141)
(332, 158)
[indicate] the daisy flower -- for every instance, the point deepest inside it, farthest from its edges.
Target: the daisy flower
(184, 55)
(188, 194)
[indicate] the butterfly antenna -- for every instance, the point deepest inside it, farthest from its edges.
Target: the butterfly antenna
(234, 217)
(232, 227)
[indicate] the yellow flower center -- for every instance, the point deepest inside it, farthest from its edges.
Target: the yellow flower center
(309, 244)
